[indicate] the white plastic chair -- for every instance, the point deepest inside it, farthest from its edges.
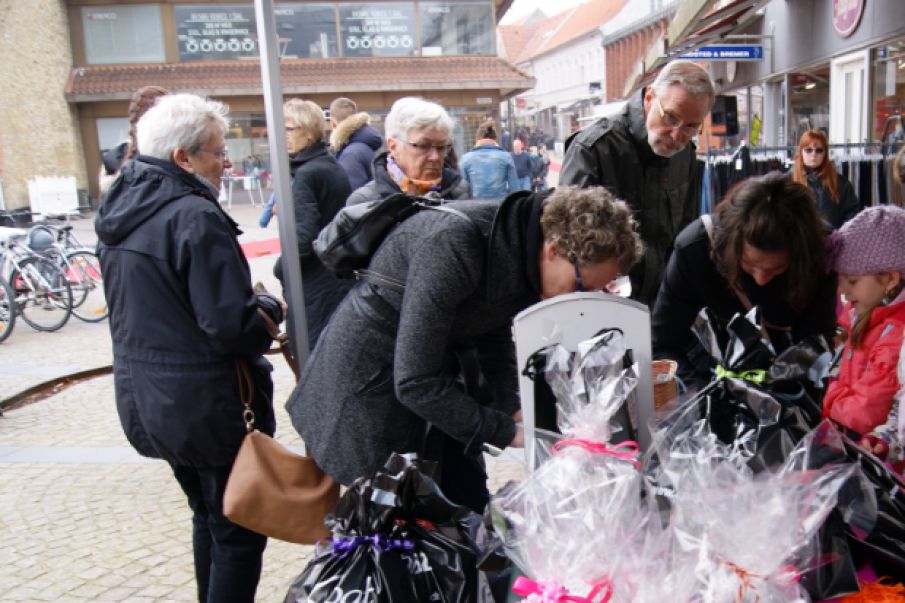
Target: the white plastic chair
(569, 320)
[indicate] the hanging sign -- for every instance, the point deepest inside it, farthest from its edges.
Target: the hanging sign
(726, 52)
(846, 16)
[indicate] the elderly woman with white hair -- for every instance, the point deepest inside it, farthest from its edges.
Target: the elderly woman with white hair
(185, 322)
(419, 137)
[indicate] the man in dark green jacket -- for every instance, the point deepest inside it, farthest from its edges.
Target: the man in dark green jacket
(645, 157)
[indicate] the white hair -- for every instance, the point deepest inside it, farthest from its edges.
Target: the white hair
(687, 74)
(179, 121)
(413, 112)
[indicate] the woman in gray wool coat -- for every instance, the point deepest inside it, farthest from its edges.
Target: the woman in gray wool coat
(389, 362)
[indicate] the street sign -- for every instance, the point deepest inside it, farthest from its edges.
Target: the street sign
(727, 52)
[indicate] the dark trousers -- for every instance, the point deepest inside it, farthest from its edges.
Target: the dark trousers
(227, 556)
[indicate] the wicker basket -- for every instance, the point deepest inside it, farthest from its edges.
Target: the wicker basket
(664, 375)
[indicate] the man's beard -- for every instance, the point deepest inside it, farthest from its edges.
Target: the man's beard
(663, 146)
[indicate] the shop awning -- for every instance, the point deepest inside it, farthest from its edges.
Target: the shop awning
(695, 24)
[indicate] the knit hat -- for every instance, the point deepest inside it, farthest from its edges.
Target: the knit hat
(870, 243)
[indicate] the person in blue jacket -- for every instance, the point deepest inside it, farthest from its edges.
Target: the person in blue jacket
(487, 167)
(522, 165)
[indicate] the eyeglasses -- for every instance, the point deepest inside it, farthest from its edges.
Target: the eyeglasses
(674, 123)
(224, 154)
(424, 148)
(292, 128)
(809, 150)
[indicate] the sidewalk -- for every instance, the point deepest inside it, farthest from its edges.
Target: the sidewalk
(85, 518)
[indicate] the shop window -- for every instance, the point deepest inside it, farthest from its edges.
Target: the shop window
(212, 32)
(306, 31)
(377, 29)
(456, 28)
(889, 92)
(122, 34)
(111, 131)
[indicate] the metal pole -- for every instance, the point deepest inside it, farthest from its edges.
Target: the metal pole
(279, 163)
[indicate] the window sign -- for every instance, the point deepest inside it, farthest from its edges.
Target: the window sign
(122, 34)
(378, 29)
(210, 32)
(451, 28)
(306, 31)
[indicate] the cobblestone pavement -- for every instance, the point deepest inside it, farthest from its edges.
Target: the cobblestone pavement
(83, 517)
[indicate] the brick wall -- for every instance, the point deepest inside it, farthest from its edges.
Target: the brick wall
(622, 57)
(39, 133)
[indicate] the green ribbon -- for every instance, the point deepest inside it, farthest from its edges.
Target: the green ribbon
(756, 376)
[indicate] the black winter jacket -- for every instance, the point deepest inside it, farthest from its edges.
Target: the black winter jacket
(355, 142)
(693, 282)
(664, 194)
(182, 313)
(452, 185)
(836, 214)
(385, 364)
(320, 188)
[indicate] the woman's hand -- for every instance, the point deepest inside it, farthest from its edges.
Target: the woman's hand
(519, 440)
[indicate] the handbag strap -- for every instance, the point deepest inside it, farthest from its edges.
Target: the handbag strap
(281, 338)
(246, 393)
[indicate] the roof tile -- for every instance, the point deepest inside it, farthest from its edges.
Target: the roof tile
(226, 78)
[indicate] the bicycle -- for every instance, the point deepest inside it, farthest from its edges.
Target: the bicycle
(7, 310)
(41, 292)
(80, 265)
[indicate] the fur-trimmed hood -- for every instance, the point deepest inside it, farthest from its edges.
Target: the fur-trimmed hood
(355, 127)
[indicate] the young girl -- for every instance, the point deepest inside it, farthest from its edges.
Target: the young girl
(868, 253)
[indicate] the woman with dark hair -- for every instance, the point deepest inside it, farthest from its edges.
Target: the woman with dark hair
(763, 247)
(813, 167)
(113, 159)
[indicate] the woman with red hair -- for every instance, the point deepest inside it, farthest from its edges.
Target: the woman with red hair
(835, 195)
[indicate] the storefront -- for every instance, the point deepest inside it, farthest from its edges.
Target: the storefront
(834, 66)
(444, 51)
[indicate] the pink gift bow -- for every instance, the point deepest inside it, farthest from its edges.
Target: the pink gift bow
(625, 451)
(551, 592)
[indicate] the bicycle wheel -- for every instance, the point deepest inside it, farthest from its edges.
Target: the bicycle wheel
(7, 310)
(83, 270)
(43, 295)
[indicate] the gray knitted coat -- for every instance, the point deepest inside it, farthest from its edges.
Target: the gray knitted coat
(385, 365)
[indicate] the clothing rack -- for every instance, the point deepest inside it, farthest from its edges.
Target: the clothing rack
(867, 165)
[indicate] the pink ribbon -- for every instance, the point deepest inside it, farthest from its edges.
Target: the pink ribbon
(551, 592)
(626, 451)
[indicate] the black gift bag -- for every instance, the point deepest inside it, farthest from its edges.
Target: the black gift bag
(396, 539)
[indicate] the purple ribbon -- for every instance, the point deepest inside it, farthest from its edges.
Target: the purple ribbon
(381, 542)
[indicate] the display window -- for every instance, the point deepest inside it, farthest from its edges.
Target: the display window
(211, 32)
(889, 92)
(122, 34)
(378, 29)
(451, 28)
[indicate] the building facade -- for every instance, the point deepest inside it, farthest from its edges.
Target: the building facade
(373, 52)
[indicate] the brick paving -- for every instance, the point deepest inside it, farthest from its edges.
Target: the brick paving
(83, 517)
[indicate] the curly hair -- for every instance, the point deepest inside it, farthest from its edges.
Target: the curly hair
(773, 214)
(589, 226)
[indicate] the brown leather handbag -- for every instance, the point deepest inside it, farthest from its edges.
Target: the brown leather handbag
(272, 490)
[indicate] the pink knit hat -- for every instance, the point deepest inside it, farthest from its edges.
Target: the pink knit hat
(870, 243)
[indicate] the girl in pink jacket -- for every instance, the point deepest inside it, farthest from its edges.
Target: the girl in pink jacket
(868, 253)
